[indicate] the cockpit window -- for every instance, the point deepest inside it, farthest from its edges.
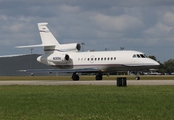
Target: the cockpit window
(145, 55)
(142, 55)
(139, 56)
(134, 56)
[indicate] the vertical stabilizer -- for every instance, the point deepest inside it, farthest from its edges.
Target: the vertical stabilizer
(50, 43)
(46, 36)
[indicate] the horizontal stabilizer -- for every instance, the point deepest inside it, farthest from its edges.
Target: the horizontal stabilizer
(34, 46)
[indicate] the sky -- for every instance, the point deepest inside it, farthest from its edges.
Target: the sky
(141, 25)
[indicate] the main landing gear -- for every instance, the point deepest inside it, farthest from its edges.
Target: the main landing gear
(99, 76)
(75, 76)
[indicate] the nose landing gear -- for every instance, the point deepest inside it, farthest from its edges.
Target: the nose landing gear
(137, 77)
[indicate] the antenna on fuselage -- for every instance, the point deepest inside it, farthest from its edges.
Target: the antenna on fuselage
(82, 46)
(31, 49)
(121, 48)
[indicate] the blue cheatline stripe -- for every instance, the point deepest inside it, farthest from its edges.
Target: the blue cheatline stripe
(92, 65)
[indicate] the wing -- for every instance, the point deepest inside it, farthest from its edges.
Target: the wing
(84, 70)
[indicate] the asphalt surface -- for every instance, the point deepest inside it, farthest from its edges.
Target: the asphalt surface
(103, 82)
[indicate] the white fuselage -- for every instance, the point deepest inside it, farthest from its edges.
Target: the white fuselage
(104, 60)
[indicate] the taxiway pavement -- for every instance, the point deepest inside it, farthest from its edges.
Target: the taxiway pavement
(103, 82)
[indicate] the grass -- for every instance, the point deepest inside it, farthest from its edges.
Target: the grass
(86, 102)
(92, 77)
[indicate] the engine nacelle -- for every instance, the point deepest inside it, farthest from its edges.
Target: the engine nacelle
(54, 58)
(58, 58)
(69, 47)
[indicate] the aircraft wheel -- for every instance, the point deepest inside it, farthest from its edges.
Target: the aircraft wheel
(137, 78)
(75, 77)
(99, 77)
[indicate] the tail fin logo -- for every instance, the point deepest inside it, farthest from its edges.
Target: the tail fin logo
(46, 31)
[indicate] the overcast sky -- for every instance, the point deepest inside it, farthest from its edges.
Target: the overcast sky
(142, 25)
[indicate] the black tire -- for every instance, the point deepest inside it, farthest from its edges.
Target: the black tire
(99, 77)
(137, 78)
(75, 77)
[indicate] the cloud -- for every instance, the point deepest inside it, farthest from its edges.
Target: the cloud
(69, 9)
(158, 30)
(168, 18)
(120, 23)
(133, 24)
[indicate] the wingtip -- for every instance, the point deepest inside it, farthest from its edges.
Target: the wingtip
(21, 70)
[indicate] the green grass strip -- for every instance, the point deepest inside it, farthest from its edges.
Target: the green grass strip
(84, 77)
(86, 102)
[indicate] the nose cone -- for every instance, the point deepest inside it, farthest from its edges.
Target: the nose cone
(39, 59)
(154, 64)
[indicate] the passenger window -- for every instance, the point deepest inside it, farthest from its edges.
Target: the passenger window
(98, 59)
(95, 59)
(111, 58)
(114, 58)
(88, 59)
(105, 59)
(101, 58)
(108, 58)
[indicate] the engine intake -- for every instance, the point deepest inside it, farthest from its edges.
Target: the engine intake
(78, 47)
(66, 57)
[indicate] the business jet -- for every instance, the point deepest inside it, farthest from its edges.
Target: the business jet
(67, 58)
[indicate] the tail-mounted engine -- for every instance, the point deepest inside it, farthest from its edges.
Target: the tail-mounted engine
(69, 47)
(55, 58)
(58, 58)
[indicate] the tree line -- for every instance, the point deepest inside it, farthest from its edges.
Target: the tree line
(166, 67)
